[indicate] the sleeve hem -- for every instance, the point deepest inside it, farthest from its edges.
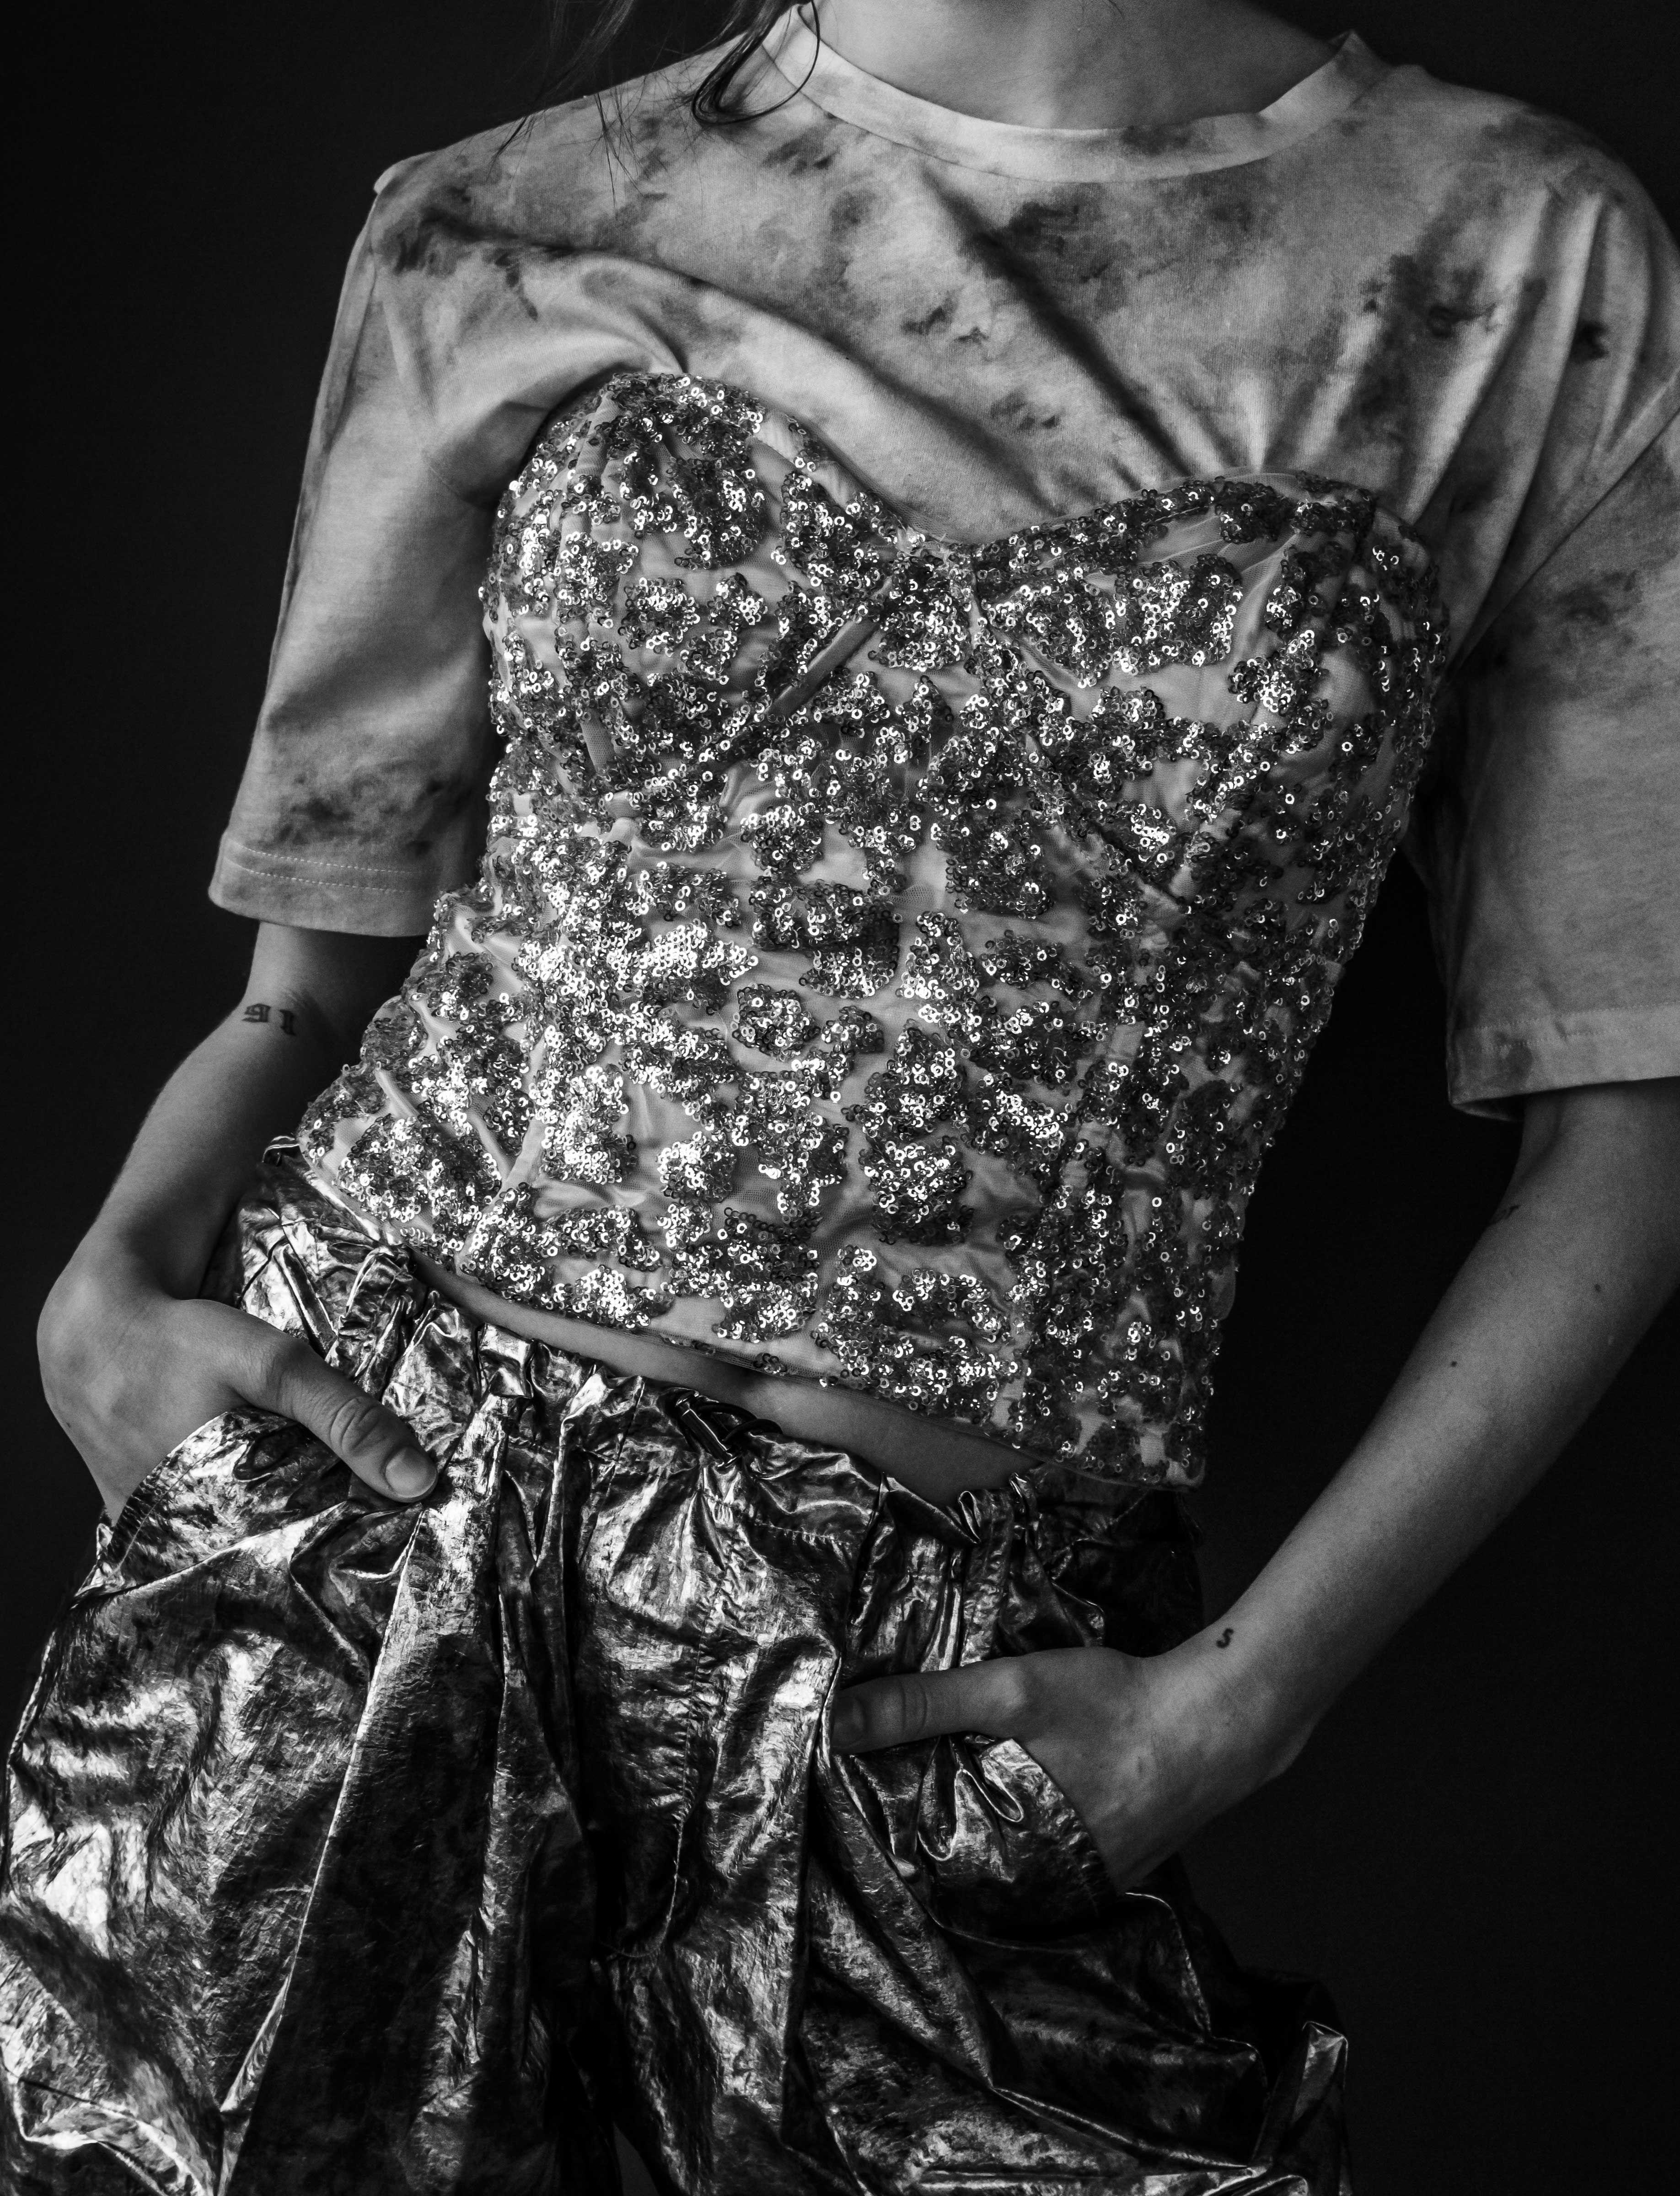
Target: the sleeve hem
(374, 899)
(1491, 1065)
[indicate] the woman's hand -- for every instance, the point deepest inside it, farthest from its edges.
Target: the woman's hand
(130, 1370)
(1147, 1749)
(131, 1358)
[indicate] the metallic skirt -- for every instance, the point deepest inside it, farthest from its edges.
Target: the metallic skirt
(358, 1849)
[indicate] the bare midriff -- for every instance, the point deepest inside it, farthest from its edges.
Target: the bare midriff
(935, 1457)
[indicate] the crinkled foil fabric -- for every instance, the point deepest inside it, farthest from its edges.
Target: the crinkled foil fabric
(361, 1849)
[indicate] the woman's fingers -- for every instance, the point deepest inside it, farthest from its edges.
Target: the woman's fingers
(1087, 1715)
(129, 1370)
(984, 1696)
(287, 1377)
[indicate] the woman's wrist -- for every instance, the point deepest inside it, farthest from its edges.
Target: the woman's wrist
(242, 1085)
(104, 1278)
(1251, 1723)
(167, 1253)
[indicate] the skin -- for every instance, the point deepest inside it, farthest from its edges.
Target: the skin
(1075, 64)
(1585, 1249)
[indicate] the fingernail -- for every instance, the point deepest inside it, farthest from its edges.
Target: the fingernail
(845, 1725)
(410, 1474)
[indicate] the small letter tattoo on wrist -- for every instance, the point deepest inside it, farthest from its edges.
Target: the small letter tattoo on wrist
(259, 1010)
(1225, 1637)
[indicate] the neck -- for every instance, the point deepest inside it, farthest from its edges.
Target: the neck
(1075, 64)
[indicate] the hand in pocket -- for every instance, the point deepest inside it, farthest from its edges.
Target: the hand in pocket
(130, 1371)
(1147, 1749)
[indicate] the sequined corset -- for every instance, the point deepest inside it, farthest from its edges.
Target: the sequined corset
(892, 957)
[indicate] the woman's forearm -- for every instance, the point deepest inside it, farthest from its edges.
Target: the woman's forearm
(1583, 1251)
(242, 1085)
(303, 1008)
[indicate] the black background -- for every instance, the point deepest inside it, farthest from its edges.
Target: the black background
(1473, 1852)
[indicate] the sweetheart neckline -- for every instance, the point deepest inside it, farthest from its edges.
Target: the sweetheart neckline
(949, 548)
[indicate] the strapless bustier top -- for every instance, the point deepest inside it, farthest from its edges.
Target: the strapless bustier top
(891, 957)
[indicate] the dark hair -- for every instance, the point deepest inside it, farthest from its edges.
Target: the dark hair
(594, 45)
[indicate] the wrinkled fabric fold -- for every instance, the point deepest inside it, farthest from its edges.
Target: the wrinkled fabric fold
(360, 1848)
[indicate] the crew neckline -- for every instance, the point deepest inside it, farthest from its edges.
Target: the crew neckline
(841, 89)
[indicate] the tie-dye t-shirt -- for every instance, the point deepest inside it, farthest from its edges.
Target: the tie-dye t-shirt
(892, 651)
(1441, 296)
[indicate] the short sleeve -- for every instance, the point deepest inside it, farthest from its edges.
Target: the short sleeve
(363, 796)
(1547, 832)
